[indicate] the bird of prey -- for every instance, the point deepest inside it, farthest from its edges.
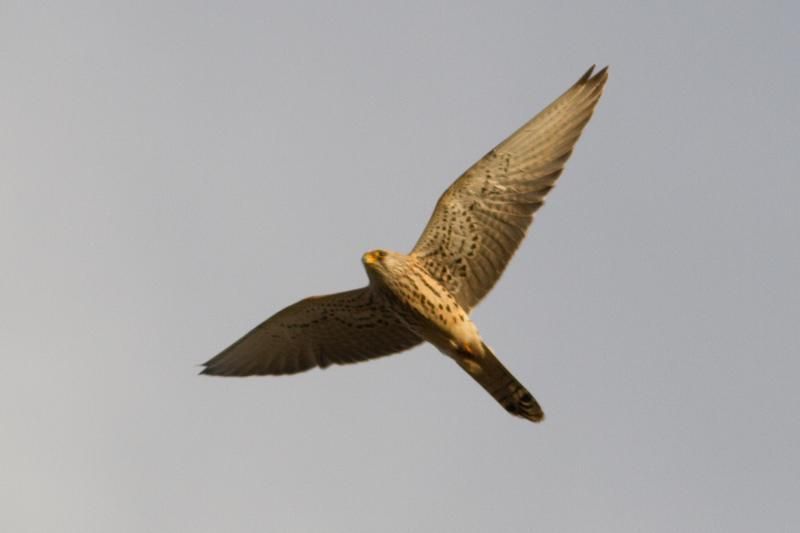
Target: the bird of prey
(427, 295)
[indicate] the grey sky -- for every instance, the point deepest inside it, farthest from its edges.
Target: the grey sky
(170, 176)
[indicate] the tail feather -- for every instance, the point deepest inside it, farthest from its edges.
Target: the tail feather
(490, 373)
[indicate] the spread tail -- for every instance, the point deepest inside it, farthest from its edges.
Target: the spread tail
(498, 381)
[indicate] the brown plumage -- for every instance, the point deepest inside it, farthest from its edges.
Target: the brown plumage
(426, 295)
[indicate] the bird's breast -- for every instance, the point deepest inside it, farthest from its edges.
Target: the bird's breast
(430, 309)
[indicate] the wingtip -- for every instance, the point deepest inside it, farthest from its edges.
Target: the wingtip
(592, 76)
(207, 369)
(587, 75)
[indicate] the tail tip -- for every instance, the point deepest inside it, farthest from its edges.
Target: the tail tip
(526, 407)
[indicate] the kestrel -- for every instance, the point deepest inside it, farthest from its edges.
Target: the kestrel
(427, 295)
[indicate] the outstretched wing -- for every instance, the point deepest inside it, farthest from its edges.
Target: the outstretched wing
(341, 328)
(481, 219)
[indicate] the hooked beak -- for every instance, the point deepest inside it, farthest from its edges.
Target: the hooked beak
(369, 258)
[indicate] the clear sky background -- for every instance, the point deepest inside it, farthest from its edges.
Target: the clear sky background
(173, 173)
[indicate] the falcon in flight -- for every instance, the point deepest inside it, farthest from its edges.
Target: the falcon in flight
(427, 295)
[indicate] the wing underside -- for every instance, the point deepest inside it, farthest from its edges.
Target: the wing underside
(479, 222)
(341, 328)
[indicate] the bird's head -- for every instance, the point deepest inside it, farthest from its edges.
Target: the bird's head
(373, 258)
(380, 262)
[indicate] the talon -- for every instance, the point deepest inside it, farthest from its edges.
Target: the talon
(467, 348)
(470, 366)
